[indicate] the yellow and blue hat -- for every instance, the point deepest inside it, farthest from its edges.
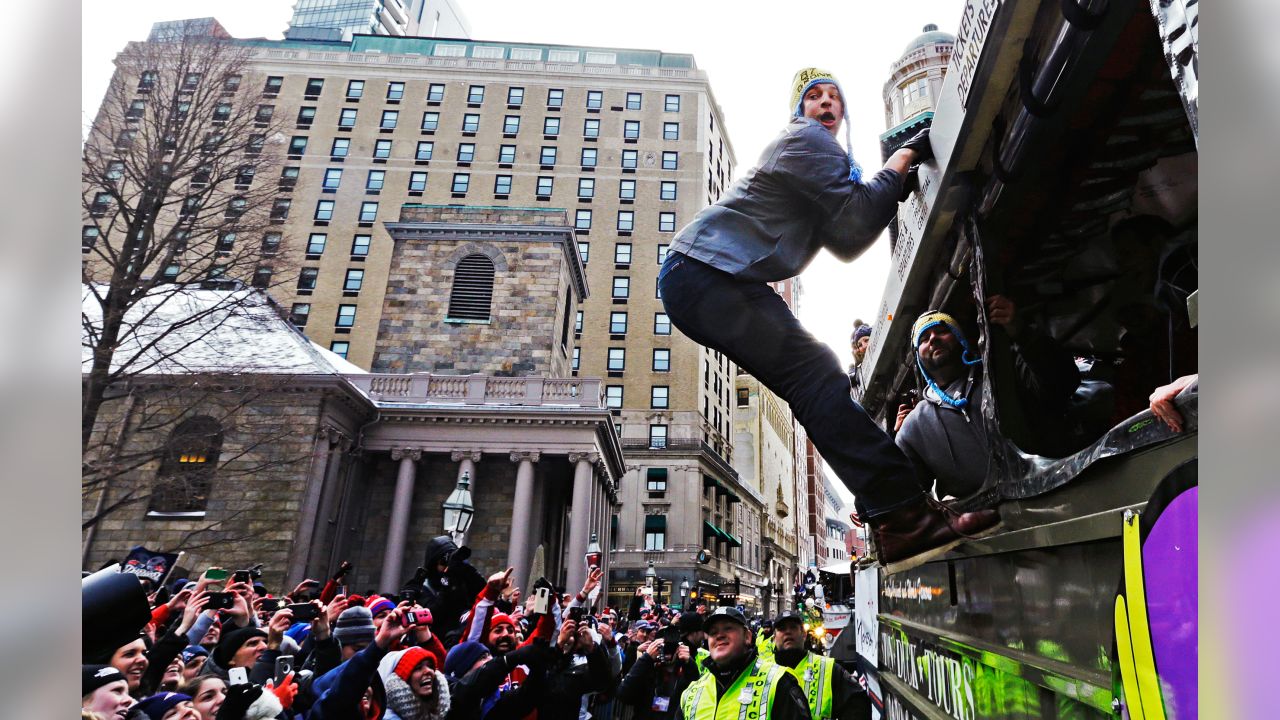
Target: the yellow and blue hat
(800, 84)
(932, 318)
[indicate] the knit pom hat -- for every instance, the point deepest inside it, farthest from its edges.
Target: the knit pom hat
(377, 603)
(409, 660)
(932, 318)
(354, 625)
(462, 656)
(800, 84)
(860, 332)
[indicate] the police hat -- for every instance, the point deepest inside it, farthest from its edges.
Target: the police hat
(728, 613)
(789, 615)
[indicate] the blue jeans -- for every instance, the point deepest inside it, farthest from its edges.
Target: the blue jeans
(753, 327)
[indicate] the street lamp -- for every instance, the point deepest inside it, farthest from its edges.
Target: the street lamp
(684, 591)
(594, 554)
(458, 509)
(651, 577)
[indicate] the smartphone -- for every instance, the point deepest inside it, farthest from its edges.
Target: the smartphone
(646, 590)
(303, 612)
(408, 595)
(575, 613)
(238, 676)
(220, 601)
(284, 666)
(542, 601)
(670, 641)
(241, 576)
(216, 574)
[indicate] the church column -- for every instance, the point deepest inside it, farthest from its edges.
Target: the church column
(519, 552)
(398, 528)
(580, 521)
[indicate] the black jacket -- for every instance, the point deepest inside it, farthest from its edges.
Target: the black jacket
(450, 595)
(648, 681)
(566, 683)
(848, 700)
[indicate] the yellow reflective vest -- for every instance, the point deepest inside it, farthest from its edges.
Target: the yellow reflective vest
(764, 646)
(750, 696)
(815, 674)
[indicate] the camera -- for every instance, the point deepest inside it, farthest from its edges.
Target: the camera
(221, 601)
(241, 576)
(575, 614)
(415, 617)
(408, 595)
(670, 637)
(284, 666)
(303, 612)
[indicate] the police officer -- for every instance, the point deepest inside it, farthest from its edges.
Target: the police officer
(830, 690)
(764, 641)
(738, 684)
(691, 633)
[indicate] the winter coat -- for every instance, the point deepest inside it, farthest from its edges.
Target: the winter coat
(402, 703)
(339, 691)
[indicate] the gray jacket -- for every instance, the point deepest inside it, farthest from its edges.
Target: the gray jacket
(797, 200)
(946, 444)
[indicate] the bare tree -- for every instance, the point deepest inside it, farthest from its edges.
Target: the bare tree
(180, 196)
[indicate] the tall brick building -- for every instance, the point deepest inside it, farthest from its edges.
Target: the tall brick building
(624, 144)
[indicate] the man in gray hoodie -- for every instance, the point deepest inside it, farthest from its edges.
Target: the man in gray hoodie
(805, 194)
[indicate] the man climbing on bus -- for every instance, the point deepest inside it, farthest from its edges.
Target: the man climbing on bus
(805, 194)
(944, 435)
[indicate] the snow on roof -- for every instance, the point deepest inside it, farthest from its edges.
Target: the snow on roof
(339, 363)
(179, 329)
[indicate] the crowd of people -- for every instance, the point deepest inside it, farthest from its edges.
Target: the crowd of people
(451, 643)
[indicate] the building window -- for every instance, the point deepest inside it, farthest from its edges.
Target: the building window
(332, 179)
(190, 457)
(382, 149)
(355, 89)
(629, 159)
(261, 276)
(582, 221)
(670, 160)
(471, 122)
(545, 185)
(595, 99)
(324, 210)
(661, 360)
(622, 253)
(511, 124)
(627, 189)
(273, 85)
(417, 181)
(670, 131)
(915, 90)
(314, 86)
(435, 92)
(298, 145)
(515, 96)
(551, 126)
(631, 129)
(375, 180)
(466, 152)
(656, 478)
(89, 236)
(507, 154)
(565, 56)
(633, 101)
(655, 528)
(667, 190)
(395, 91)
(584, 251)
(589, 156)
(425, 149)
(613, 396)
(547, 155)
(502, 185)
(472, 292)
(147, 80)
(353, 281)
(591, 128)
(346, 316)
(264, 113)
(306, 115)
(671, 103)
(475, 94)
(618, 323)
(340, 348)
(347, 118)
(626, 220)
(316, 243)
(617, 359)
(360, 245)
(449, 50)
(299, 314)
(659, 397)
(666, 222)
(586, 187)
(577, 322)
(431, 121)
(577, 359)
(368, 212)
(341, 148)
(389, 119)
(280, 209)
(621, 288)
(555, 98)
(661, 324)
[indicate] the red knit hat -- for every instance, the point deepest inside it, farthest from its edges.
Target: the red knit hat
(499, 619)
(410, 659)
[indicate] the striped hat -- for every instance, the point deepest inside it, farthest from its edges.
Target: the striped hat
(800, 84)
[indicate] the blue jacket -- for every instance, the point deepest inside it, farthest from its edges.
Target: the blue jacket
(340, 690)
(797, 200)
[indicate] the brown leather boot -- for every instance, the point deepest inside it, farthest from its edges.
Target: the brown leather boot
(913, 535)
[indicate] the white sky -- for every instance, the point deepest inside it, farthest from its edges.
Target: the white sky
(749, 48)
